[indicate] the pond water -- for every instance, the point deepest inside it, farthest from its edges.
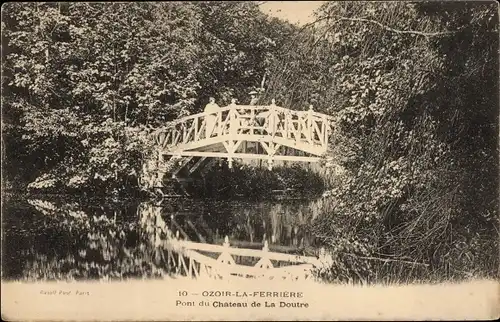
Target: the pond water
(56, 239)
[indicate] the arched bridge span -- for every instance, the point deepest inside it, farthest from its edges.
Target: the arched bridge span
(248, 132)
(264, 132)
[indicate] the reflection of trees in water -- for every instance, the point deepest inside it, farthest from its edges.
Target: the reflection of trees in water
(150, 219)
(284, 223)
(249, 224)
(275, 212)
(69, 240)
(91, 244)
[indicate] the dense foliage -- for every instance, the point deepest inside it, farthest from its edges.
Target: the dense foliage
(83, 82)
(414, 89)
(255, 182)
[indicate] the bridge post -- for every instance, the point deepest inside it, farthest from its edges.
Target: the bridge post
(288, 125)
(233, 126)
(310, 124)
(233, 130)
(272, 124)
(272, 117)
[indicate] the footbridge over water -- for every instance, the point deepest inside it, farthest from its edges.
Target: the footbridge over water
(266, 133)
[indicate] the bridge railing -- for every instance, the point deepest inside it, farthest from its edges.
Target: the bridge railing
(301, 126)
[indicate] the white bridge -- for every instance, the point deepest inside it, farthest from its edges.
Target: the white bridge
(240, 132)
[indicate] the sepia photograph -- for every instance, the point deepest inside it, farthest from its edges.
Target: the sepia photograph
(250, 160)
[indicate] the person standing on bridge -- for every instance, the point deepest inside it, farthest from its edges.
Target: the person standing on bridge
(254, 98)
(211, 119)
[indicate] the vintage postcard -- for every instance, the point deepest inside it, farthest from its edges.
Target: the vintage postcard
(250, 160)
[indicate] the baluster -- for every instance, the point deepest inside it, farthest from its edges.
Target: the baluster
(252, 121)
(219, 124)
(195, 129)
(324, 136)
(272, 117)
(233, 128)
(309, 124)
(230, 116)
(287, 116)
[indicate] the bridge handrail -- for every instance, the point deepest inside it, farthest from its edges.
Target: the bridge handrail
(245, 107)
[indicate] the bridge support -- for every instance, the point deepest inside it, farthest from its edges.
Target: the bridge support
(197, 165)
(231, 147)
(182, 164)
(271, 150)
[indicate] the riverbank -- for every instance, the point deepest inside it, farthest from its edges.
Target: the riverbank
(159, 300)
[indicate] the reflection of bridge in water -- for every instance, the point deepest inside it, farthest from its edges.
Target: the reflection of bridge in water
(270, 133)
(219, 260)
(150, 241)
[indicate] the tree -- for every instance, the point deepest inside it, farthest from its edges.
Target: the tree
(84, 82)
(406, 82)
